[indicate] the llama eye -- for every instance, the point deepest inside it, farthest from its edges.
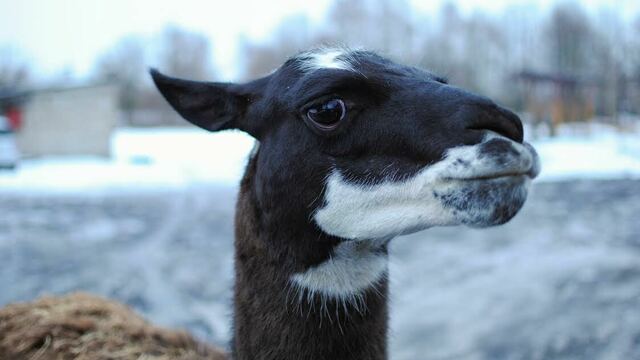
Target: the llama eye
(328, 115)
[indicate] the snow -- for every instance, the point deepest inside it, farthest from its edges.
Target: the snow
(179, 157)
(593, 151)
(141, 158)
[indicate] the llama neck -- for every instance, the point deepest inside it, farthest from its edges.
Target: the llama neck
(274, 319)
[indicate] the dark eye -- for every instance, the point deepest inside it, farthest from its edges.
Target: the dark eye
(327, 116)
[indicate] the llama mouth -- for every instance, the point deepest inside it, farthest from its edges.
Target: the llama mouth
(497, 176)
(525, 165)
(531, 173)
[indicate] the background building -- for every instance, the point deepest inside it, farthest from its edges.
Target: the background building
(65, 121)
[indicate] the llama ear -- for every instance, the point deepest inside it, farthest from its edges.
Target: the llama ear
(209, 105)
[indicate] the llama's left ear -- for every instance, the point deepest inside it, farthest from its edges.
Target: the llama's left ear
(209, 105)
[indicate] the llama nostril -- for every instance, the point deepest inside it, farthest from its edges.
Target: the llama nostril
(499, 120)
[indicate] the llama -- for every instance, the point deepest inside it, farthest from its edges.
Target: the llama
(352, 150)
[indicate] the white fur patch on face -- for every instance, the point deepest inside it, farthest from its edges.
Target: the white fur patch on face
(325, 59)
(354, 267)
(463, 188)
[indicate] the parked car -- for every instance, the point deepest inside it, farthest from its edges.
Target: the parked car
(8, 149)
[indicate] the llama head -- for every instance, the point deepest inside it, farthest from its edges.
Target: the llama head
(362, 148)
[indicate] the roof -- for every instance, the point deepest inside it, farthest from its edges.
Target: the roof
(67, 87)
(12, 96)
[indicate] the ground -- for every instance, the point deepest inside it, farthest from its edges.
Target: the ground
(561, 281)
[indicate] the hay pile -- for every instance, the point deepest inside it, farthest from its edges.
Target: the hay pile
(85, 327)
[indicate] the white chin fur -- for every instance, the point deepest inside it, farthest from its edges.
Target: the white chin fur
(353, 267)
(432, 197)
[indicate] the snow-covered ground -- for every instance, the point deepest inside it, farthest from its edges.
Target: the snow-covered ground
(560, 281)
(593, 150)
(176, 157)
(141, 158)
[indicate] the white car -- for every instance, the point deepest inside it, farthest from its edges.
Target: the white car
(8, 149)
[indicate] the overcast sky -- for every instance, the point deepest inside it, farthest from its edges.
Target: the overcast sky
(58, 34)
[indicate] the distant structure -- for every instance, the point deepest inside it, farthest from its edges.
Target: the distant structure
(63, 121)
(553, 99)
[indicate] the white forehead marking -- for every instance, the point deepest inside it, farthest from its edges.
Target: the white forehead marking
(354, 267)
(356, 211)
(325, 59)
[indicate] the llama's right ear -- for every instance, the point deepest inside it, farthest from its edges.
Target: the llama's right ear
(209, 105)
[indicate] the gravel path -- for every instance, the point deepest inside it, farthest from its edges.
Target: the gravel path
(561, 281)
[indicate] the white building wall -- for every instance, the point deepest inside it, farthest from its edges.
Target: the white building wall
(77, 121)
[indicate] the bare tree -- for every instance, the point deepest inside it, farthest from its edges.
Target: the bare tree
(441, 47)
(478, 50)
(125, 64)
(569, 33)
(290, 37)
(471, 51)
(123, 61)
(634, 66)
(14, 69)
(185, 54)
(383, 25)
